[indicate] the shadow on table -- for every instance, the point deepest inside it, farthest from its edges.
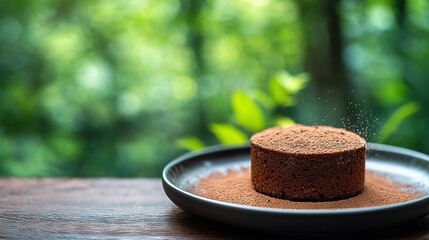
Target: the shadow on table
(193, 226)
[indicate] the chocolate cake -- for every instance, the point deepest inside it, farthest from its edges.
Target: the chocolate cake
(308, 163)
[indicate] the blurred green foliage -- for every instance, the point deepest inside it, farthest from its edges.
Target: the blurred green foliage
(249, 114)
(119, 88)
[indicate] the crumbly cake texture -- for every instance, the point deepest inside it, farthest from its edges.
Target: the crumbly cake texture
(235, 187)
(308, 163)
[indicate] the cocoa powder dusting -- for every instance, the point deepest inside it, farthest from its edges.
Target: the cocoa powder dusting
(236, 187)
(308, 140)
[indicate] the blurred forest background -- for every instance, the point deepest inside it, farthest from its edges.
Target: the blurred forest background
(120, 88)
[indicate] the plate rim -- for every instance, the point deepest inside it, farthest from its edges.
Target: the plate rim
(285, 211)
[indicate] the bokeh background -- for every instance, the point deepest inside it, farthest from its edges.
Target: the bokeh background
(120, 88)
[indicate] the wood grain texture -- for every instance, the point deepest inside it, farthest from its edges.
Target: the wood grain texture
(124, 209)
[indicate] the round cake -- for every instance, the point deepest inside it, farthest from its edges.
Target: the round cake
(308, 163)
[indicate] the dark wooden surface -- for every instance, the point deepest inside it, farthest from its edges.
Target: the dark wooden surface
(125, 209)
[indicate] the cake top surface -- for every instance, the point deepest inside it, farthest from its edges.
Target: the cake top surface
(300, 139)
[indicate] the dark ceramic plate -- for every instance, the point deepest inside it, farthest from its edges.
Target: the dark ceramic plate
(400, 164)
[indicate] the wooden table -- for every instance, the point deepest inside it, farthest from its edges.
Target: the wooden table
(124, 208)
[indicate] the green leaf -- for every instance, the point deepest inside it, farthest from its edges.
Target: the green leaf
(283, 86)
(190, 143)
(279, 94)
(293, 84)
(228, 134)
(396, 118)
(246, 112)
(284, 122)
